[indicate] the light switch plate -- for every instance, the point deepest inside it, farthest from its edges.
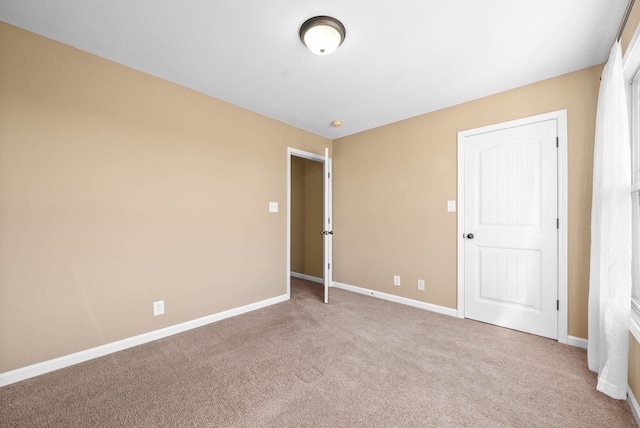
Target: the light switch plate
(451, 206)
(158, 308)
(273, 207)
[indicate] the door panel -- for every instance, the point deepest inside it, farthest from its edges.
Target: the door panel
(511, 211)
(510, 184)
(510, 276)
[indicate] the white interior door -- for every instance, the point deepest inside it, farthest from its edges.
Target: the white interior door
(328, 228)
(510, 228)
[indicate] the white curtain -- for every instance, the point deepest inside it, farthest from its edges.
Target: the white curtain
(610, 276)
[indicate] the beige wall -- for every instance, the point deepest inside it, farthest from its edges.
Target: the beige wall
(306, 217)
(392, 184)
(634, 366)
(118, 189)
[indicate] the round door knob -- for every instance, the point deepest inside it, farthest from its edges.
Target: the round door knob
(470, 236)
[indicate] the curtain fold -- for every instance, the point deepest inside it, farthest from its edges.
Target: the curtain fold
(610, 275)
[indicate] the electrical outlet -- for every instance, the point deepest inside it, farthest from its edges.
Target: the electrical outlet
(396, 280)
(158, 308)
(421, 284)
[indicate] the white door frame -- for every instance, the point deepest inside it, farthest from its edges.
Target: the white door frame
(305, 155)
(563, 294)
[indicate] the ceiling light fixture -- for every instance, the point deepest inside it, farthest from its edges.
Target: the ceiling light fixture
(322, 34)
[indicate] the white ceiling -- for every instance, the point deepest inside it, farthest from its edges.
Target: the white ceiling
(400, 58)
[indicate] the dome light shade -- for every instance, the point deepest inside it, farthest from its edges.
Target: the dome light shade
(322, 34)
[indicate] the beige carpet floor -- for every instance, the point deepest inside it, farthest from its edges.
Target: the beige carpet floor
(357, 362)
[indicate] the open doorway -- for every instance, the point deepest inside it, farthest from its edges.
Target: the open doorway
(309, 229)
(306, 219)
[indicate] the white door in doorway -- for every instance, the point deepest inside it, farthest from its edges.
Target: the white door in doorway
(511, 227)
(328, 226)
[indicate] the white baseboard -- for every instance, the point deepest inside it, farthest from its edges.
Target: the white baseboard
(578, 342)
(397, 299)
(307, 277)
(635, 409)
(37, 369)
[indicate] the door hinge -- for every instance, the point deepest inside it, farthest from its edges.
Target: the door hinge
(557, 223)
(558, 305)
(328, 265)
(557, 141)
(329, 220)
(328, 175)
